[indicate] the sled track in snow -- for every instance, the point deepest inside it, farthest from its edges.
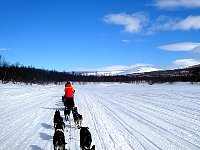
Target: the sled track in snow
(71, 135)
(119, 116)
(157, 119)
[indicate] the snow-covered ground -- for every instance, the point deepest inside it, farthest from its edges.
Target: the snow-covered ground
(119, 116)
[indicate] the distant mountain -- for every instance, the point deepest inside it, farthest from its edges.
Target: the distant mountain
(187, 71)
(139, 69)
(195, 66)
(119, 70)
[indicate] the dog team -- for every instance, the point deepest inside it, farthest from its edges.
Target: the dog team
(59, 125)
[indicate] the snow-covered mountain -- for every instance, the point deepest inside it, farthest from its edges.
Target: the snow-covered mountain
(117, 70)
(140, 69)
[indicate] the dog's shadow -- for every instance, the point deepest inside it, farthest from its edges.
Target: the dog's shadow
(47, 126)
(35, 147)
(59, 104)
(56, 108)
(45, 136)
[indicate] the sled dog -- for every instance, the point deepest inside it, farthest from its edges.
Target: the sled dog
(79, 120)
(67, 113)
(59, 137)
(58, 119)
(85, 138)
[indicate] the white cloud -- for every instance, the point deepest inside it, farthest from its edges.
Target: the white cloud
(133, 41)
(4, 49)
(185, 63)
(171, 4)
(164, 23)
(136, 22)
(191, 22)
(126, 41)
(186, 46)
(169, 23)
(196, 50)
(131, 23)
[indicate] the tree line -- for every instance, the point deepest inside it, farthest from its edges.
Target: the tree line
(17, 73)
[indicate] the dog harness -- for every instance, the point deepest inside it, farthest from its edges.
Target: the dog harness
(60, 130)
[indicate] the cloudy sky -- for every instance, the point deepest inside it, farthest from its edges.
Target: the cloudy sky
(90, 34)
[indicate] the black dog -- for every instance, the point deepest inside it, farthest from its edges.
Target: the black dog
(85, 138)
(58, 119)
(75, 113)
(59, 137)
(67, 113)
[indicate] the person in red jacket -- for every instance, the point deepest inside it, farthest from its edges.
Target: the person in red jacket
(69, 95)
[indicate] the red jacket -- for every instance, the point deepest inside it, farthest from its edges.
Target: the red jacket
(69, 91)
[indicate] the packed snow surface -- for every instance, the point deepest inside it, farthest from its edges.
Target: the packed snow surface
(119, 116)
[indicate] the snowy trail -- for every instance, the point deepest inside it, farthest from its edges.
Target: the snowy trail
(147, 117)
(119, 116)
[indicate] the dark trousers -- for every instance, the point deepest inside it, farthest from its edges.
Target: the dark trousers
(69, 103)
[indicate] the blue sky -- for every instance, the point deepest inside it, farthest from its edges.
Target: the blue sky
(91, 34)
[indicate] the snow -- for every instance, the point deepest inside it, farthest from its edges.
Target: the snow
(119, 116)
(116, 70)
